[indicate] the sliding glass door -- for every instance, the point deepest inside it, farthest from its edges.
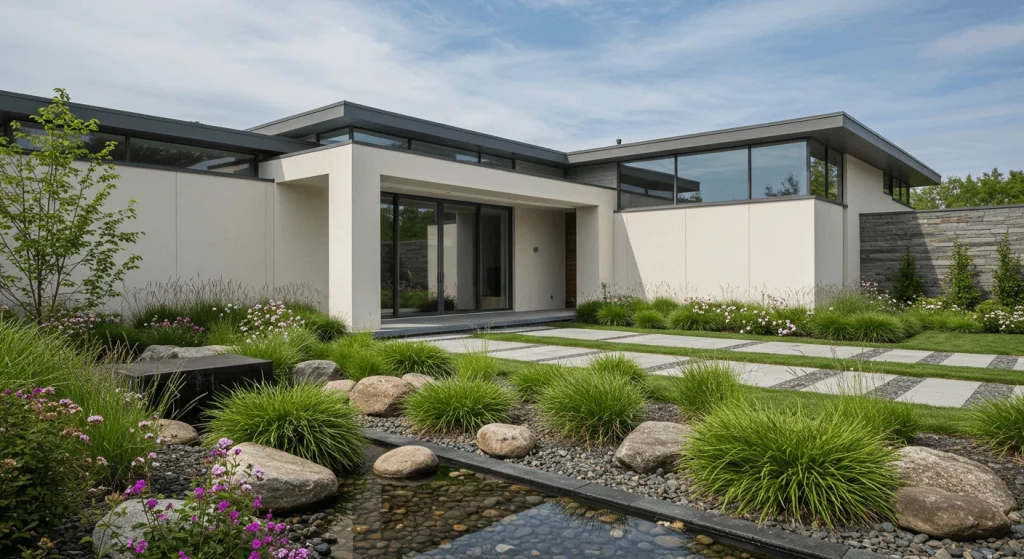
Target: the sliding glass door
(442, 256)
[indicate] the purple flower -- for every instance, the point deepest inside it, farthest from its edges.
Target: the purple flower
(218, 470)
(84, 437)
(181, 555)
(252, 527)
(258, 502)
(224, 443)
(95, 419)
(223, 506)
(198, 492)
(254, 555)
(137, 488)
(233, 515)
(152, 503)
(256, 543)
(193, 518)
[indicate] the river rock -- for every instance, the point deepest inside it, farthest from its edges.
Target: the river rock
(380, 395)
(318, 371)
(155, 352)
(924, 466)
(652, 445)
(344, 385)
(176, 432)
(502, 440)
(942, 514)
(203, 351)
(406, 462)
(113, 537)
(289, 482)
(418, 380)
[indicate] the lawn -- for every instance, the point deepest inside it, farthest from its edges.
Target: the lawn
(1001, 376)
(929, 340)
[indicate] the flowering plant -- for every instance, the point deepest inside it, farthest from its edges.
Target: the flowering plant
(263, 319)
(78, 325)
(181, 332)
(45, 462)
(1004, 321)
(219, 518)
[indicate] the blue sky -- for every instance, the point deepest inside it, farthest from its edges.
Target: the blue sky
(942, 79)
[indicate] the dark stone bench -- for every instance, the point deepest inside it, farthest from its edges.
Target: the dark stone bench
(204, 379)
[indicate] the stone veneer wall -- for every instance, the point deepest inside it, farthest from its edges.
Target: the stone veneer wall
(930, 233)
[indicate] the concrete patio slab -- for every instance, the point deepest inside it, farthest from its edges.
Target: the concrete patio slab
(767, 376)
(969, 360)
(544, 353)
(580, 333)
(903, 356)
(808, 350)
(645, 360)
(941, 392)
(1019, 366)
(475, 345)
(693, 342)
(850, 382)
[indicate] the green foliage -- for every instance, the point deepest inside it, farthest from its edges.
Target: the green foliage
(649, 318)
(1008, 279)
(301, 419)
(947, 320)
(325, 326)
(458, 404)
(357, 357)
(960, 287)
(613, 314)
(222, 332)
(284, 349)
(811, 467)
(62, 249)
(998, 422)
(586, 312)
(897, 423)
(664, 305)
(180, 332)
(990, 189)
(619, 365)
(593, 407)
(704, 386)
(848, 302)
(863, 326)
(114, 337)
(907, 286)
(477, 366)
(531, 379)
(158, 312)
(697, 316)
(401, 358)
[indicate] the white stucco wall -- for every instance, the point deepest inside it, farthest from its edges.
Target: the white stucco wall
(863, 195)
(300, 235)
(829, 239)
(538, 277)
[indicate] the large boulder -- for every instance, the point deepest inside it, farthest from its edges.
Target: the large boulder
(156, 352)
(344, 385)
(202, 351)
(380, 395)
(170, 431)
(318, 371)
(942, 514)
(418, 380)
(113, 532)
(652, 445)
(924, 466)
(406, 462)
(505, 441)
(289, 482)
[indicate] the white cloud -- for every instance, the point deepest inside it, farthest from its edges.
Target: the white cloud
(976, 40)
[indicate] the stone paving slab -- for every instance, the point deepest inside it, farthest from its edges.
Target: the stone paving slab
(941, 392)
(580, 333)
(645, 360)
(476, 345)
(808, 350)
(969, 360)
(1020, 365)
(902, 356)
(767, 376)
(519, 329)
(1018, 390)
(693, 342)
(543, 353)
(850, 382)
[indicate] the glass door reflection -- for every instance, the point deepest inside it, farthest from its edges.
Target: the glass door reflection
(418, 256)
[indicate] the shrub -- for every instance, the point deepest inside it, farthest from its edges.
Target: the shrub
(477, 366)
(180, 332)
(401, 358)
(613, 314)
(832, 325)
(810, 467)
(698, 315)
(592, 407)
(998, 422)
(301, 419)
(960, 287)
(874, 326)
(530, 380)
(1008, 279)
(586, 312)
(283, 350)
(907, 286)
(1004, 321)
(619, 365)
(898, 423)
(458, 405)
(664, 305)
(325, 326)
(703, 386)
(649, 318)
(269, 318)
(45, 461)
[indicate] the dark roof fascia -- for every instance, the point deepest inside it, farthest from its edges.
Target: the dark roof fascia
(20, 106)
(346, 113)
(838, 130)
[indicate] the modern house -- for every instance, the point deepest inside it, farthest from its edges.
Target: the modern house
(391, 215)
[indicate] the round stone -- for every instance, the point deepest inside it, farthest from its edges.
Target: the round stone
(406, 462)
(171, 431)
(502, 440)
(380, 395)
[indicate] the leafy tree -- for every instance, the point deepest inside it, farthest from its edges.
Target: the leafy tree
(59, 243)
(960, 287)
(1009, 276)
(907, 286)
(990, 189)
(789, 186)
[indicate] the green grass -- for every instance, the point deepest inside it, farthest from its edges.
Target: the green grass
(703, 386)
(907, 369)
(896, 422)
(283, 350)
(649, 318)
(664, 305)
(302, 419)
(401, 358)
(530, 379)
(477, 366)
(811, 467)
(613, 314)
(688, 317)
(356, 355)
(998, 423)
(592, 407)
(325, 326)
(458, 405)
(586, 312)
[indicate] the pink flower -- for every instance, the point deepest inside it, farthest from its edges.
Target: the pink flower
(101, 461)
(84, 437)
(218, 470)
(95, 419)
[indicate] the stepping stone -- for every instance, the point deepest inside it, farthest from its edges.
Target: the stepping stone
(807, 350)
(580, 333)
(1018, 390)
(766, 376)
(544, 352)
(476, 345)
(902, 356)
(645, 360)
(969, 360)
(850, 382)
(1020, 364)
(693, 342)
(941, 392)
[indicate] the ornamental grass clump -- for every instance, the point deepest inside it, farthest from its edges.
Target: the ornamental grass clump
(530, 380)
(998, 422)
(809, 467)
(619, 365)
(697, 315)
(649, 318)
(325, 326)
(702, 387)
(664, 305)
(401, 358)
(592, 407)
(285, 349)
(178, 332)
(586, 312)
(301, 419)
(875, 326)
(477, 366)
(458, 405)
(613, 314)
(898, 423)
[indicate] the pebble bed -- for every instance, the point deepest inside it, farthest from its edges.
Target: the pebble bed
(594, 464)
